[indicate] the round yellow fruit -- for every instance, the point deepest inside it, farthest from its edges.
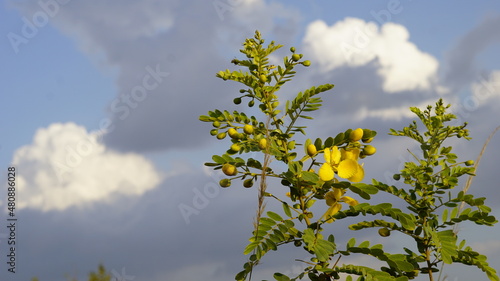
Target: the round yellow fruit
(229, 170)
(221, 135)
(356, 135)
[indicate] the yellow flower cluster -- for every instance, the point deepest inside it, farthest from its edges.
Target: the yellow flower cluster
(333, 199)
(344, 162)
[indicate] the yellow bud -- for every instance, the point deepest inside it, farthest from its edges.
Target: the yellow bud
(356, 135)
(263, 144)
(369, 150)
(229, 170)
(248, 129)
(311, 150)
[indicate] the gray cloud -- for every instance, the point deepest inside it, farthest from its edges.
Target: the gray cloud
(460, 65)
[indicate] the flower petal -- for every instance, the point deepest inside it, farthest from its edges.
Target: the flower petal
(349, 200)
(359, 175)
(332, 197)
(326, 172)
(335, 208)
(336, 155)
(327, 153)
(347, 168)
(350, 154)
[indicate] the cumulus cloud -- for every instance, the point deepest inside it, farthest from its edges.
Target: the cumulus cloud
(67, 166)
(353, 42)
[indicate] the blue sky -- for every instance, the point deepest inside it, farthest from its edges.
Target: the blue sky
(102, 175)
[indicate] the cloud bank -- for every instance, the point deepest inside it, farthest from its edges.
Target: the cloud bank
(353, 42)
(66, 166)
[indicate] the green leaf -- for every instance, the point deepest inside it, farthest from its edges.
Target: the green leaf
(219, 160)
(287, 210)
(281, 277)
(274, 216)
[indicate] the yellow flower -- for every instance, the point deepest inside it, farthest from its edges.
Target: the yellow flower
(344, 162)
(333, 199)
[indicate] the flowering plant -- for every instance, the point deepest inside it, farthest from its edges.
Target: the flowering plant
(330, 168)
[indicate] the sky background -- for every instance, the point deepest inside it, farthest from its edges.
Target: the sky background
(99, 111)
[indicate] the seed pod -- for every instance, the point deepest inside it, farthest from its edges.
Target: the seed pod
(214, 132)
(216, 124)
(237, 100)
(306, 63)
(221, 136)
(295, 57)
(469, 162)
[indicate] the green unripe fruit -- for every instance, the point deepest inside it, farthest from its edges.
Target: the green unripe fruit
(248, 183)
(237, 101)
(251, 103)
(384, 232)
(356, 135)
(396, 177)
(297, 243)
(369, 150)
(295, 57)
(216, 124)
(229, 170)
(232, 133)
(306, 63)
(263, 78)
(221, 136)
(248, 129)
(225, 182)
(292, 49)
(311, 150)
(263, 144)
(214, 132)
(235, 147)
(469, 162)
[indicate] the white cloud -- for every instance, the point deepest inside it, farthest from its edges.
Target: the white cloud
(354, 42)
(66, 166)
